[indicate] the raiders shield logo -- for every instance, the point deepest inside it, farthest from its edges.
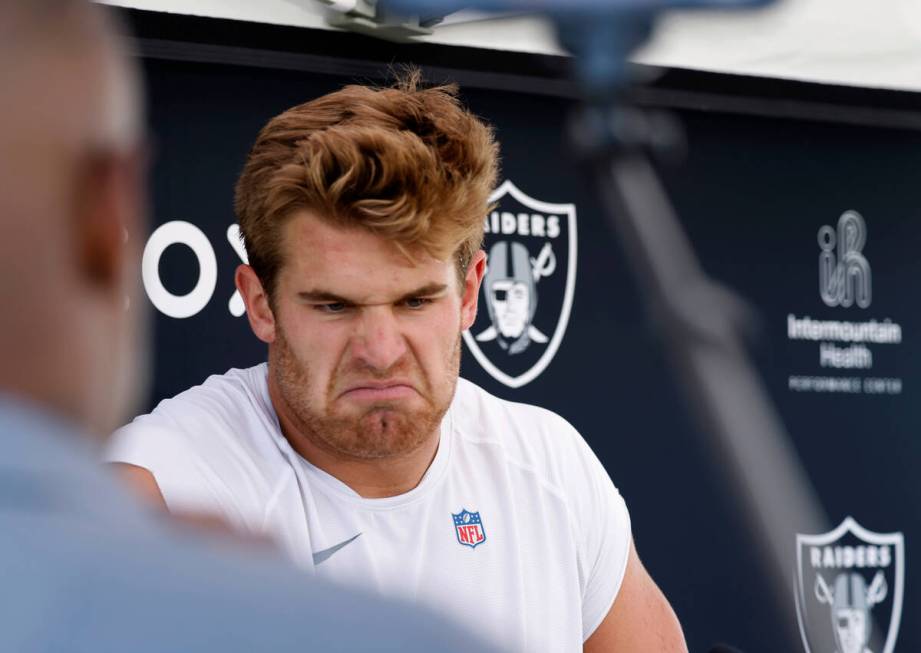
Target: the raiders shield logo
(528, 288)
(849, 587)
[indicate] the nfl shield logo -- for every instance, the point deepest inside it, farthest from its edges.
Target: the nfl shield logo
(469, 528)
(528, 288)
(849, 588)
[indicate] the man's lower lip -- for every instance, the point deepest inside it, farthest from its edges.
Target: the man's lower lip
(380, 394)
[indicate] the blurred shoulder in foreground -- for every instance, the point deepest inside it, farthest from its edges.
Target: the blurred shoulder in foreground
(85, 569)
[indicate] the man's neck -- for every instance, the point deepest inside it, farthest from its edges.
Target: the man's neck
(370, 478)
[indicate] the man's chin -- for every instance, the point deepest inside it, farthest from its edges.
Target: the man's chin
(388, 419)
(385, 433)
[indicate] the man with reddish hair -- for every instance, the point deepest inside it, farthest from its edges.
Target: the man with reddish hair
(357, 447)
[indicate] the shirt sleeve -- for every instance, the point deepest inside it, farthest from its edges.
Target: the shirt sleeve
(603, 536)
(180, 471)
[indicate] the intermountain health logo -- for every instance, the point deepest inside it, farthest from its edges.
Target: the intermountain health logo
(844, 273)
(849, 589)
(528, 288)
(851, 346)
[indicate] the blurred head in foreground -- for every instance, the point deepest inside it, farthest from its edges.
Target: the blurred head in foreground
(84, 568)
(71, 198)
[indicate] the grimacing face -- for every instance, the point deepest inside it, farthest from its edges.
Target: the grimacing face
(366, 345)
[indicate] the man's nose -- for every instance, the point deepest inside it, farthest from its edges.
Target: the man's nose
(380, 342)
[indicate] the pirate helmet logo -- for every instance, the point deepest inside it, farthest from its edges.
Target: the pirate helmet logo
(510, 291)
(849, 589)
(528, 287)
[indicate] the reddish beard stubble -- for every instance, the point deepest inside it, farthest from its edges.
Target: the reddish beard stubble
(381, 431)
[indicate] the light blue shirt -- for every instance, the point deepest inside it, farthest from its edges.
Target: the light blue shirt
(83, 567)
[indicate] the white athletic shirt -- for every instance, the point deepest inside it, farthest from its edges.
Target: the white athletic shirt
(515, 531)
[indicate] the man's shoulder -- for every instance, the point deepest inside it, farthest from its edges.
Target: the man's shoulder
(474, 404)
(525, 435)
(224, 429)
(224, 406)
(237, 389)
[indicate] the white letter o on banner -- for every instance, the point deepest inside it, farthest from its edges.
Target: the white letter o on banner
(179, 232)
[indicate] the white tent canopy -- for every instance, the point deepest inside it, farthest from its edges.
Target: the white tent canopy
(849, 42)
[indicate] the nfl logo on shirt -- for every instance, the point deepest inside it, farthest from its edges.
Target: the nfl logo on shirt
(469, 528)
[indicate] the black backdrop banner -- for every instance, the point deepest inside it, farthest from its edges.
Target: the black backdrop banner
(811, 213)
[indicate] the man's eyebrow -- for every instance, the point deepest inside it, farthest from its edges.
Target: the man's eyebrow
(325, 296)
(425, 291)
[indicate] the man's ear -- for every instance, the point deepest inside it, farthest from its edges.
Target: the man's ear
(472, 281)
(258, 309)
(110, 204)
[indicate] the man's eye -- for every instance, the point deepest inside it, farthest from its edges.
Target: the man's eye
(417, 302)
(332, 307)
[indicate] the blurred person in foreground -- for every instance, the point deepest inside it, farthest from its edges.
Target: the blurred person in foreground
(83, 568)
(357, 447)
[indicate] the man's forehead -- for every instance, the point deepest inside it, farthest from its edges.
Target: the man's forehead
(305, 231)
(348, 256)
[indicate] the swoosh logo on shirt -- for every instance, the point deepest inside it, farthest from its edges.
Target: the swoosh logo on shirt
(323, 556)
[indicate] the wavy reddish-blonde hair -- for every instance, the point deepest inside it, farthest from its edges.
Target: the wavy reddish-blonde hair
(405, 162)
